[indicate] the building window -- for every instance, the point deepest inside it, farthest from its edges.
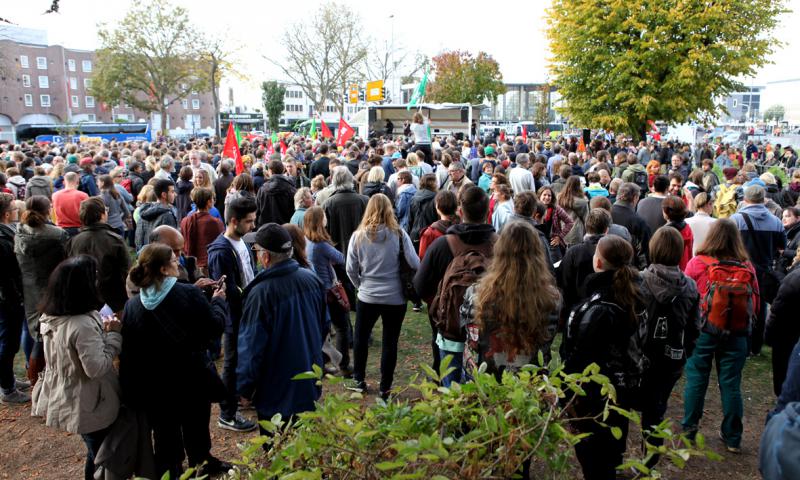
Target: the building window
(91, 117)
(195, 104)
(87, 83)
(41, 63)
(194, 92)
(185, 104)
(28, 100)
(294, 108)
(330, 108)
(26, 80)
(44, 100)
(735, 103)
(73, 83)
(71, 65)
(89, 101)
(86, 65)
(75, 102)
(44, 82)
(23, 61)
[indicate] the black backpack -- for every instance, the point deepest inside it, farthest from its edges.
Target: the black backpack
(641, 178)
(665, 332)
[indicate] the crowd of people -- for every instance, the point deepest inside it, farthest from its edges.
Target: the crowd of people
(129, 268)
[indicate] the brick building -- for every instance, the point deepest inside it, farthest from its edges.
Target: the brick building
(49, 84)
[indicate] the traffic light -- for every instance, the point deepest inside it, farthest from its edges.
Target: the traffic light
(383, 93)
(361, 96)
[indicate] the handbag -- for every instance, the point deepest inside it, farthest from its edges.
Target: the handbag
(336, 296)
(768, 280)
(407, 275)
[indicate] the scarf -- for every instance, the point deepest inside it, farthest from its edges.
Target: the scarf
(153, 295)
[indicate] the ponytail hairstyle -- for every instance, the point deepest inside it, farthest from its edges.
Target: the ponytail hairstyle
(617, 254)
(147, 270)
(107, 185)
(37, 211)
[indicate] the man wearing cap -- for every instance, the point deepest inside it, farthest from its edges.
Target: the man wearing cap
(88, 184)
(284, 320)
(763, 236)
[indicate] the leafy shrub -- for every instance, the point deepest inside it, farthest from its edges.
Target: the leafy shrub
(483, 429)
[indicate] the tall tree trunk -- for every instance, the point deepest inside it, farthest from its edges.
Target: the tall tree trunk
(215, 94)
(163, 111)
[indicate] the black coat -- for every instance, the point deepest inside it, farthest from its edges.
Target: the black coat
(371, 188)
(783, 325)
(640, 232)
(11, 278)
(108, 248)
(163, 364)
(344, 210)
(321, 166)
(221, 186)
(422, 213)
(275, 200)
(575, 267)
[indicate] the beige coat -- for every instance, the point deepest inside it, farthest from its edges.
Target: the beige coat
(79, 389)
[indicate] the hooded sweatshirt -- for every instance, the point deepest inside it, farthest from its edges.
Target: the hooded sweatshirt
(152, 215)
(39, 185)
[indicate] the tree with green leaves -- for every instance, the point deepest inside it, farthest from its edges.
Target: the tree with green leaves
(619, 64)
(150, 59)
(272, 95)
(775, 112)
(216, 57)
(542, 112)
(461, 77)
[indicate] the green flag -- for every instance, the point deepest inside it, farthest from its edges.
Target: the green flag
(416, 97)
(313, 131)
(238, 134)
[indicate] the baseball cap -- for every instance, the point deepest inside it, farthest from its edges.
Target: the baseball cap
(488, 151)
(272, 237)
(397, 155)
(86, 161)
(72, 158)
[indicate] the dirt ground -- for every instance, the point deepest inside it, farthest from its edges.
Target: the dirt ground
(30, 450)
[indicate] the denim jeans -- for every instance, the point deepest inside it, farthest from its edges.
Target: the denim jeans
(366, 316)
(456, 363)
(93, 442)
(12, 318)
(730, 353)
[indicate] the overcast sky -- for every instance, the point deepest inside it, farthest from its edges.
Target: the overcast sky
(514, 36)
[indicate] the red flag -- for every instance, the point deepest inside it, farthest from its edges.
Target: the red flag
(502, 135)
(326, 132)
(231, 149)
(581, 145)
(345, 133)
(270, 148)
(525, 132)
(655, 133)
(283, 148)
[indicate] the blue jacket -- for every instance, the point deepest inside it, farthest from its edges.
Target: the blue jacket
(403, 203)
(283, 324)
(88, 185)
(767, 238)
(778, 459)
(223, 260)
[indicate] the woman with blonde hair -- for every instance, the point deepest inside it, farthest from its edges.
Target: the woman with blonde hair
(202, 180)
(57, 176)
(323, 257)
(373, 265)
(508, 330)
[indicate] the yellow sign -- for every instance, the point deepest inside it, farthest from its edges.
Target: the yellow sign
(353, 93)
(375, 91)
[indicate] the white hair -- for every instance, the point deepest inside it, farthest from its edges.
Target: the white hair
(341, 178)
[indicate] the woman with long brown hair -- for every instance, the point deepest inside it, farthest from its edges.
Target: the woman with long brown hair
(507, 311)
(323, 257)
(599, 331)
(117, 208)
(572, 199)
(40, 247)
(373, 265)
(556, 222)
(722, 251)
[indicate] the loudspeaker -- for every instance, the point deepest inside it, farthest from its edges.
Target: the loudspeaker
(459, 136)
(373, 115)
(464, 114)
(587, 136)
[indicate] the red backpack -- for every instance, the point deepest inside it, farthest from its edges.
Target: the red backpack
(728, 304)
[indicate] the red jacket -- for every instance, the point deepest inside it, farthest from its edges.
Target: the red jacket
(688, 241)
(198, 230)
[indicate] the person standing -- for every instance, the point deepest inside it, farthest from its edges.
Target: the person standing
(275, 200)
(373, 266)
(520, 177)
(103, 243)
(284, 320)
(88, 185)
(169, 327)
(600, 331)
(405, 192)
(39, 246)
(623, 213)
(160, 212)
(574, 202)
(12, 310)
(782, 330)
(649, 208)
(763, 237)
(117, 209)
(80, 393)
(674, 211)
(701, 221)
(722, 265)
(67, 204)
(229, 257)
(200, 229)
(422, 139)
(422, 210)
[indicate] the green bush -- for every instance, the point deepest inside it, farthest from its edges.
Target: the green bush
(482, 429)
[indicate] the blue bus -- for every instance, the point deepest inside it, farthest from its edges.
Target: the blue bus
(85, 132)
